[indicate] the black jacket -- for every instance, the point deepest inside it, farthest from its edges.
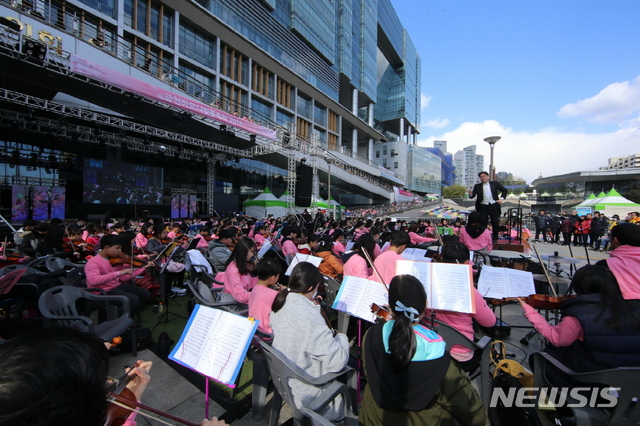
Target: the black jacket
(495, 187)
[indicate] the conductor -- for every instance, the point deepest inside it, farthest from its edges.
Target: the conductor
(488, 201)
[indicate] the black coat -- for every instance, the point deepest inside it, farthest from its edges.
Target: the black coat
(495, 187)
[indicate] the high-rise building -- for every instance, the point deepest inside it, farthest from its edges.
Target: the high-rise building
(448, 169)
(467, 166)
(420, 168)
(244, 88)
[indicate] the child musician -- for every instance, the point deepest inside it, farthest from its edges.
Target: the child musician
(263, 294)
(101, 274)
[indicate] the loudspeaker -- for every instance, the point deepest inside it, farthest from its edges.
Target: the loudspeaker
(304, 185)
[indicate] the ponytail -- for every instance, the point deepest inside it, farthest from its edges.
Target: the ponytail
(408, 300)
(304, 278)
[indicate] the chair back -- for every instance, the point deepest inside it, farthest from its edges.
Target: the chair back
(625, 379)
(28, 270)
(281, 371)
(58, 305)
(331, 288)
(55, 263)
(202, 294)
(452, 337)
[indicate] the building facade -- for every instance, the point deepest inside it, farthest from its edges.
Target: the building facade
(632, 160)
(279, 80)
(467, 166)
(448, 175)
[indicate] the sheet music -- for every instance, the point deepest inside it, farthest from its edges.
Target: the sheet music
(214, 343)
(264, 249)
(448, 286)
(386, 246)
(356, 296)
(190, 350)
(451, 288)
(222, 353)
(315, 260)
(349, 245)
(492, 282)
(497, 283)
(415, 254)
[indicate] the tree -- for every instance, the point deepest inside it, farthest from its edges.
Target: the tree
(454, 191)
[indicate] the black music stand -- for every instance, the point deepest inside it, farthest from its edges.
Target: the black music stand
(167, 253)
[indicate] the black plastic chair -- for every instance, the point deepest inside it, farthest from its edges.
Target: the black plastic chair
(62, 306)
(331, 288)
(215, 298)
(452, 337)
(625, 379)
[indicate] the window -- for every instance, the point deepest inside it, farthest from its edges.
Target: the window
(395, 165)
(377, 154)
(392, 152)
(384, 162)
(196, 45)
(384, 150)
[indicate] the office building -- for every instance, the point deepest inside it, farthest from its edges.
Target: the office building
(448, 175)
(467, 166)
(218, 99)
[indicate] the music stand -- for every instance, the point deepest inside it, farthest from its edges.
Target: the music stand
(167, 253)
(192, 245)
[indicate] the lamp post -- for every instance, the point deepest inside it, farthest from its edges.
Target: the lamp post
(491, 140)
(333, 207)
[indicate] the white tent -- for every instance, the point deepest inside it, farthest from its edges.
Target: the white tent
(614, 203)
(264, 205)
(286, 197)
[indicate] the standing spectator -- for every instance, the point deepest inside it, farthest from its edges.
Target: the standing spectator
(567, 229)
(599, 224)
(574, 219)
(552, 228)
(540, 221)
(581, 231)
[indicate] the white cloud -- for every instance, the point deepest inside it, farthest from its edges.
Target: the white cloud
(613, 104)
(424, 100)
(548, 151)
(437, 123)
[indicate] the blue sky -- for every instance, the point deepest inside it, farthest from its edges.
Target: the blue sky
(558, 80)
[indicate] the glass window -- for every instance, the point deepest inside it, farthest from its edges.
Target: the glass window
(392, 152)
(155, 22)
(395, 164)
(320, 114)
(283, 118)
(384, 150)
(384, 162)
(303, 106)
(167, 29)
(196, 45)
(128, 13)
(377, 154)
(141, 16)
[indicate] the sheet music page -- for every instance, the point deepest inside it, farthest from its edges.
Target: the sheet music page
(407, 254)
(225, 347)
(197, 334)
(520, 283)
(451, 286)
(376, 293)
(386, 246)
(349, 298)
(420, 270)
(492, 283)
(264, 249)
(349, 245)
(315, 260)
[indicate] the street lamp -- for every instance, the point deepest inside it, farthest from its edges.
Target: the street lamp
(329, 161)
(491, 140)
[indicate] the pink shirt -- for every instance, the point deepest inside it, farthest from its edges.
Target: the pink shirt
(464, 324)
(338, 248)
(356, 266)
(386, 266)
(377, 251)
(483, 240)
(417, 239)
(259, 239)
(141, 241)
(236, 284)
(289, 247)
(101, 274)
(202, 243)
(260, 301)
(564, 334)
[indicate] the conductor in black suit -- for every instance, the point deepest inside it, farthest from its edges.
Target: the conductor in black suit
(488, 201)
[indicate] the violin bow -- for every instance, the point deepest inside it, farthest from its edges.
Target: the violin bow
(73, 247)
(366, 255)
(546, 273)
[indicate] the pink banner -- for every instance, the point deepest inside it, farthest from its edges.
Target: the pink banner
(131, 84)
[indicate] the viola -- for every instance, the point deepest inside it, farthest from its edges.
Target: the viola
(536, 301)
(382, 312)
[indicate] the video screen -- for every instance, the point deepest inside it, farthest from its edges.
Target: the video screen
(107, 182)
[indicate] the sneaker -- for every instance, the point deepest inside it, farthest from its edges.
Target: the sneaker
(179, 291)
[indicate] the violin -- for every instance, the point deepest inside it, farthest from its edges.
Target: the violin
(536, 301)
(123, 402)
(382, 312)
(135, 262)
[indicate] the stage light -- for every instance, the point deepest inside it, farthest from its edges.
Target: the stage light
(252, 138)
(30, 114)
(34, 50)
(223, 127)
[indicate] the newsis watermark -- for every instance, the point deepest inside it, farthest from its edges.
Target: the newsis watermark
(595, 397)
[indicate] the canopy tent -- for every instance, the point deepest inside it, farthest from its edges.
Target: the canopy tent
(286, 197)
(333, 203)
(319, 203)
(264, 205)
(614, 203)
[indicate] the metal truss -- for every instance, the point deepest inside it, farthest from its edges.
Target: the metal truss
(183, 191)
(211, 176)
(31, 180)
